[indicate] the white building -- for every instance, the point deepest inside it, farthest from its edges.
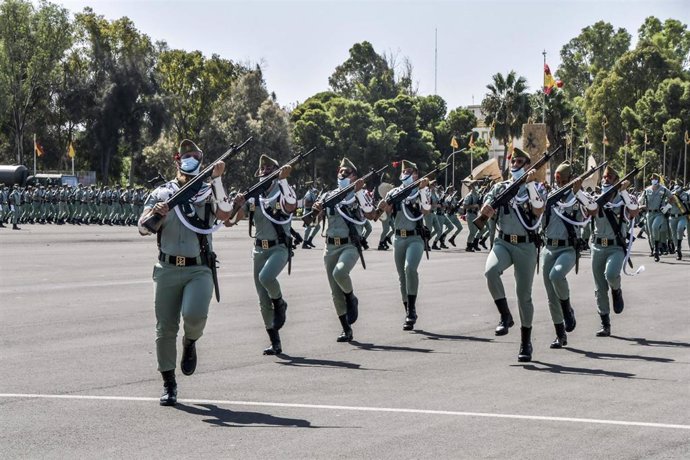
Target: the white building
(496, 150)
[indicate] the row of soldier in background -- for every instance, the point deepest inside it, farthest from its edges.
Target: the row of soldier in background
(68, 204)
(664, 217)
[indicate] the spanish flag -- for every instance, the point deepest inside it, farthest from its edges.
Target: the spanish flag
(38, 149)
(70, 150)
(454, 143)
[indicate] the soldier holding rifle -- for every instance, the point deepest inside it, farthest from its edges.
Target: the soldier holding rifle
(271, 212)
(516, 245)
(183, 277)
(407, 205)
(345, 220)
(614, 209)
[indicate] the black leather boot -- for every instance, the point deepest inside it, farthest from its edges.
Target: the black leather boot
(169, 396)
(279, 312)
(617, 300)
(656, 251)
(506, 321)
(411, 309)
(382, 246)
(276, 347)
(605, 330)
(442, 242)
(483, 242)
(188, 362)
(679, 254)
(435, 246)
(469, 248)
(15, 227)
(568, 315)
(346, 335)
(525, 353)
(475, 245)
(352, 307)
(451, 240)
(561, 336)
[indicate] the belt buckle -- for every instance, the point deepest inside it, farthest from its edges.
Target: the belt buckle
(403, 233)
(179, 261)
(604, 242)
(336, 241)
(554, 242)
(264, 244)
(513, 239)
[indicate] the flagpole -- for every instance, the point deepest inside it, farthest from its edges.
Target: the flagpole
(543, 93)
(685, 162)
(34, 154)
(664, 141)
(73, 166)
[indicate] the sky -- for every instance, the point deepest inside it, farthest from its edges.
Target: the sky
(300, 43)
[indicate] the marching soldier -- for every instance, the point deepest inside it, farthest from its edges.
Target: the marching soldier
(4, 207)
(471, 205)
(313, 229)
(678, 219)
(452, 205)
(516, 245)
(345, 221)
(271, 216)
(183, 277)
(608, 252)
(654, 198)
(408, 245)
(15, 206)
(559, 255)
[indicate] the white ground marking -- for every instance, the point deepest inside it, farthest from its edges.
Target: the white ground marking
(360, 409)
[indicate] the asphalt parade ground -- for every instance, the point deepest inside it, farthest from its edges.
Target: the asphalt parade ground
(78, 372)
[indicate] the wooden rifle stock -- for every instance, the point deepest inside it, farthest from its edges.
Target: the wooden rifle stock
(512, 190)
(153, 222)
(605, 197)
(558, 194)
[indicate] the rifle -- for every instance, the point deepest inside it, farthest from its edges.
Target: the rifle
(331, 200)
(605, 197)
(265, 183)
(396, 197)
(153, 222)
(506, 195)
(556, 196)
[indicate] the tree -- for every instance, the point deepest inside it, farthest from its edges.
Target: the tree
(596, 48)
(507, 107)
(559, 113)
(32, 43)
(672, 35)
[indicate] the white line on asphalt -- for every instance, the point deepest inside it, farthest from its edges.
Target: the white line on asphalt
(360, 409)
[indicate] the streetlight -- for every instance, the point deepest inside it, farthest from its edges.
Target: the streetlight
(452, 154)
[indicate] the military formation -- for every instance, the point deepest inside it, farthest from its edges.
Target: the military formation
(66, 204)
(535, 227)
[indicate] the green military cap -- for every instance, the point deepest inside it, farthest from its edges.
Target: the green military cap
(656, 176)
(519, 153)
(609, 171)
(565, 169)
(406, 164)
(187, 146)
(345, 163)
(265, 160)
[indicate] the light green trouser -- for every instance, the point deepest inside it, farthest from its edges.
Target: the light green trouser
(268, 263)
(339, 262)
(311, 231)
(524, 257)
(455, 222)
(655, 222)
(385, 228)
(556, 263)
(16, 215)
(471, 228)
(366, 229)
(607, 263)
(678, 226)
(185, 290)
(407, 252)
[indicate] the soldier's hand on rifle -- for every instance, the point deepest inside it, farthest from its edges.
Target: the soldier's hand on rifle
(487, 211)
(624, 185)
(239, 201)
(318, 206)
(577, 185)
(424, 183)
(160, 208)
(531, 176)
(359, 185)
(218, 169)
(384, 207)
(284, 172)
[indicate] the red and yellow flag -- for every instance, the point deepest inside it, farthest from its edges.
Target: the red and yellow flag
(70, 150)
(38, 149)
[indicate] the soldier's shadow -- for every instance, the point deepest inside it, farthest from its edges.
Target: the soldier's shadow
(566, 370)
(300, 361)
(435, 336)
(374, 347)
(652, 343)
(597, 355)
(239, 419)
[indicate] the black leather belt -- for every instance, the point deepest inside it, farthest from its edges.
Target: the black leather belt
(405, 233)
(337, 241)
(514, 239)
(179, 261)
(675, 215)
(265, 244)
(556, 243)
(605, 242)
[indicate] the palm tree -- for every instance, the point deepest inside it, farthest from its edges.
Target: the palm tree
(507, 107)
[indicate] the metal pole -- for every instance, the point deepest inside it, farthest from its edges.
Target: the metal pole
(73, 166)
(644, 159)
(34, 154)
(543, 93)
(435, 59)
(603, 143)
(685, 165)
(663, 167)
